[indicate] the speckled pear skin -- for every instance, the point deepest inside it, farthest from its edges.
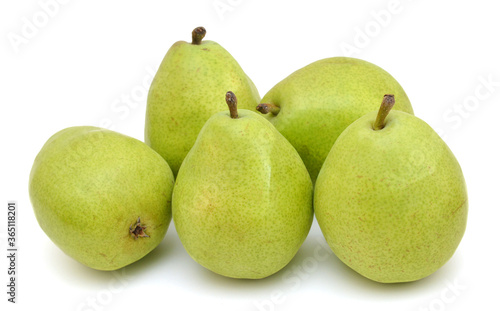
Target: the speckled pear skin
(392, 204)
(186, 92)
(242, 202)
(320, 100)
(88, 185)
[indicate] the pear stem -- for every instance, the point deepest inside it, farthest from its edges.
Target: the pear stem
(385, 107)
(198, 35)
(232, 103)
(266, 108)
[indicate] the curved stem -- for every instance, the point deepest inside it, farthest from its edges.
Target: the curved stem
(385, 108)
(232, 103)
(266, 108)
(198, 34)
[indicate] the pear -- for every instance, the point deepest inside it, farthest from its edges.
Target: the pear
(185, 93)
(313, 105)
(242, 201)
(102, 197)
(391, 198)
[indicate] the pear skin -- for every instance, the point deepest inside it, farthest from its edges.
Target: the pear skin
(185, 93)
(242, 202)
(102, 197)
(313, 105)
(391, 198)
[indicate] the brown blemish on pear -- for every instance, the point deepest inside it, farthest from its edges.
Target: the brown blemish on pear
(138, 230)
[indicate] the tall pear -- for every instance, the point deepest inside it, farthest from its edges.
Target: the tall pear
(185, 93)
(391, 198)
(313, 105)
(242, 202)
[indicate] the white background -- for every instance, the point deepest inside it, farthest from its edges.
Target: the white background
(80, 64)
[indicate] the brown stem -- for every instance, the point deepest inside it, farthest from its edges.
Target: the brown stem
(198, 35)
(385, 107)
(232, 103)
(266, 108)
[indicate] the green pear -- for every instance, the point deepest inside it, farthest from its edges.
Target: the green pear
(391, 198)
(102, 197)
(242, 201)
(185, 93)
(313, 105)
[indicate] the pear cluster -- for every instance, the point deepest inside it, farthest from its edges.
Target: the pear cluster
(242, 178)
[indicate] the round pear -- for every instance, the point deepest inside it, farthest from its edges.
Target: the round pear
(102, 197)
(391, 198)
(312, 106)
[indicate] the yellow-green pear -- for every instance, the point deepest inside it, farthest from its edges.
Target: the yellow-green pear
(391, 198)
(313, 105)
(185, 93)
(242, 201)
(102, 197)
